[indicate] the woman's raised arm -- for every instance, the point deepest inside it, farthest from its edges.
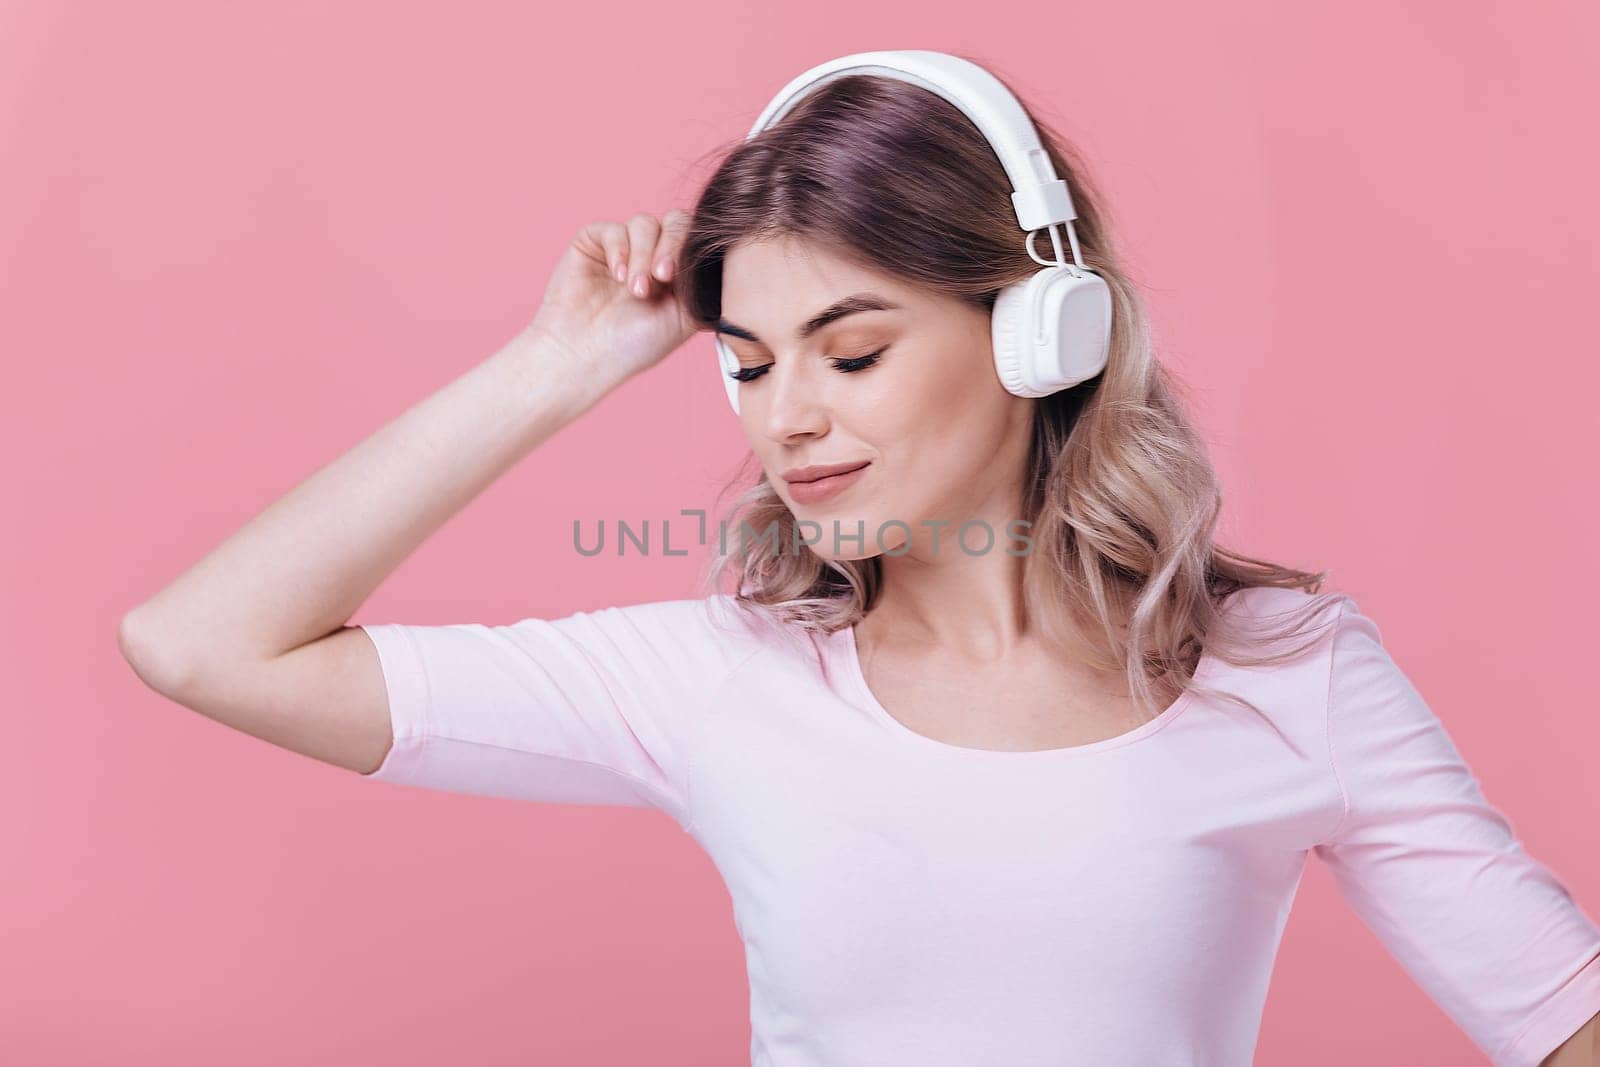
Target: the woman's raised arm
(254, 634)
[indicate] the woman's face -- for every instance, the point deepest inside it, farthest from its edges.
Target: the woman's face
(903, 386)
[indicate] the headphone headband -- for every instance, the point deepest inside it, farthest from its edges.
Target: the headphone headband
(1039, 197)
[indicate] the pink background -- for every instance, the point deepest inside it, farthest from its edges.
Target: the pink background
(237, 239)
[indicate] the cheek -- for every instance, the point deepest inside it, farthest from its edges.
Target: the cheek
(931, 443)
(921, 394)
(957, 404)
(952, 435)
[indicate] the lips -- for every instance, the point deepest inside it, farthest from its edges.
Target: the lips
(814, 490)
(802, 475)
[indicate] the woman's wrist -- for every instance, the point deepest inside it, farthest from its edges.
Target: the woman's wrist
(555, 380)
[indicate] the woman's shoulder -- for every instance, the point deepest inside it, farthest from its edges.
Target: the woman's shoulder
(1266, 608)
(1289, 626)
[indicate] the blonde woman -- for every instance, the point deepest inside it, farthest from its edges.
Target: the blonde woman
(1017, 767)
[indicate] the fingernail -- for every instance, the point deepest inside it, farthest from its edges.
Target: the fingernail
(663, 268)
(638, 285)
(621, 272)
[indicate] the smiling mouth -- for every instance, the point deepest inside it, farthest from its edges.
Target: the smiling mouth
(825, 477)
(819, 489)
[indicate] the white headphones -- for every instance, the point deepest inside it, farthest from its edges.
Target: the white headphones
(1051, 331)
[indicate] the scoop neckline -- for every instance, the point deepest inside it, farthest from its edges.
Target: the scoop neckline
(856, 678)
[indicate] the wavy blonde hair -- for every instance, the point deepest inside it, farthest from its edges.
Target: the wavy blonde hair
(1120, 492)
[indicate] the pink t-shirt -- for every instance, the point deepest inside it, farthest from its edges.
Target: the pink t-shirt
(903, 900)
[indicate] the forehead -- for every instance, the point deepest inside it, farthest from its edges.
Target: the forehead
(779, 282)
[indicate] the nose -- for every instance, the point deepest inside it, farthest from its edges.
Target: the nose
(792, 405)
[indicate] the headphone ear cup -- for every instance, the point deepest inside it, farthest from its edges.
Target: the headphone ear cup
(1007, 329)
(727, 363)
(1051, 331)
(1075, 313)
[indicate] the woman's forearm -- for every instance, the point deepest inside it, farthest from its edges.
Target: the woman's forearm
(300, 568)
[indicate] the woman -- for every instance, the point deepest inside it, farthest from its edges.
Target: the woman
(1041, 796)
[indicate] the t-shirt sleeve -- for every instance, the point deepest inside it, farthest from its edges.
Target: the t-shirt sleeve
(599, 707)
(1437, 872)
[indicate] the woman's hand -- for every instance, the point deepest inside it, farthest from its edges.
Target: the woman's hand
(612, 305)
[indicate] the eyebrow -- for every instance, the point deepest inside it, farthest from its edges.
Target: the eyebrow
(850, 305)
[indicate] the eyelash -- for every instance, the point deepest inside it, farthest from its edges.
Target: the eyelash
(846, 366)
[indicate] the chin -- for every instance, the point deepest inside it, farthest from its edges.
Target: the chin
(846, 546)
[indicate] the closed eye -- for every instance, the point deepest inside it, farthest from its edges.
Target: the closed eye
(849, 366)
(846, 366)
